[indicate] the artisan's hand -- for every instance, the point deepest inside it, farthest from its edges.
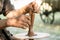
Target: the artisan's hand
(21, 22)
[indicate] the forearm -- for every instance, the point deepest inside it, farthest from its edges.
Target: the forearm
(7, 22)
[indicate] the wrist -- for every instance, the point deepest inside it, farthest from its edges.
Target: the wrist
(11, 21)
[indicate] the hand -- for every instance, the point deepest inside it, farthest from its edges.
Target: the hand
(22, 21)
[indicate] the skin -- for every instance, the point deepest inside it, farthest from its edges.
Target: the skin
(17, 18)
(21, 21)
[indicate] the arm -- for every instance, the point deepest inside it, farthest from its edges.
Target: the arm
(7, 22)
(21, 21)
(8, 7)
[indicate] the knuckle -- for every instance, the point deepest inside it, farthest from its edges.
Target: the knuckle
(29, 23)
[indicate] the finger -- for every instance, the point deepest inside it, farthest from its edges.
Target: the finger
(25, 24)
(28, 17)
(22, 26)
(27, 21)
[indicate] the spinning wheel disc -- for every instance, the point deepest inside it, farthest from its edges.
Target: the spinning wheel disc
(38, 35)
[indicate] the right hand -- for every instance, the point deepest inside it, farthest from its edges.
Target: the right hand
(22, 21)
